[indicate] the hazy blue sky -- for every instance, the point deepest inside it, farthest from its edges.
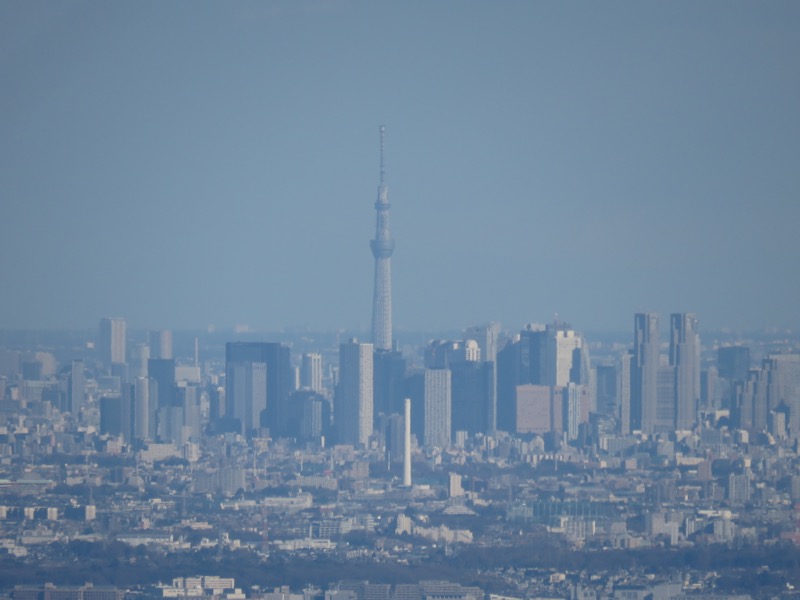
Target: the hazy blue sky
(192, 163)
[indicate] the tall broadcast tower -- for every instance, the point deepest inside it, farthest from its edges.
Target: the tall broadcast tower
(382, 248)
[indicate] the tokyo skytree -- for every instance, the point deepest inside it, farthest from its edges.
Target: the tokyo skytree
(382, 248)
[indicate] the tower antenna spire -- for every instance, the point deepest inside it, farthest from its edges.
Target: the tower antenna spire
(383, 171)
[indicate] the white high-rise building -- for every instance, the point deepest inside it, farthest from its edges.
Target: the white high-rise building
(139, 358)
(565, 352)
(354, 394)
(111, 342)
(437, 408)
(311, 372)
(161, 344)
(456, 488)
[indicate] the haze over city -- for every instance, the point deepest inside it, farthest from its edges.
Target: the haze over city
(188, 164)
(358, 300)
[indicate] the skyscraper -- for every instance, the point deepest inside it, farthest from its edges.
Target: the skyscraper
(76, 396)
(143, 417)
(775, 387)
(438, 420)
(395, 432)
(138, 360)
(684, 357)
(521, 361)
(311, 372)
(488, 337)
(188, 396)
(111, 415)
(575, 407)
(353, 404)
(472, 396)
(161, 344)
(787, 388)
(536, 411)
(624, 386)
(247, 392)
(733, 362)
(750, 409)
(605, 379)
(162, 372)
(382, 248)
(665, 412)
(258, 383)
(389, 383)
(111, 342)
(128, 400)
(644, 372)
(566, 357)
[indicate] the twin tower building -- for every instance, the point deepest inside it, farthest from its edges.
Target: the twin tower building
(660, 393)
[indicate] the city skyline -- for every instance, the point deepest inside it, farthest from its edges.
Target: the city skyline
(626, 448)
(202, 171)
(590, 161)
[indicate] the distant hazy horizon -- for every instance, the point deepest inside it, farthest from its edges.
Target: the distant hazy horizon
(140, 334)
(188, 164)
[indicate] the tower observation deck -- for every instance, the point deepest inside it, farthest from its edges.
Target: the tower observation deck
(382, 248)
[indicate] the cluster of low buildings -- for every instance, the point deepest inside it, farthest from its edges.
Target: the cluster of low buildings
(207, 587)
(701, 488)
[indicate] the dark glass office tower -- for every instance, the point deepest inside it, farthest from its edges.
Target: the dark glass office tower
(472, 389)
(520, 362)
(644, 373)
(162, 372)
(258, 379)
(389, 374)
(733, 362)
(684, 357)
(606, 386)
